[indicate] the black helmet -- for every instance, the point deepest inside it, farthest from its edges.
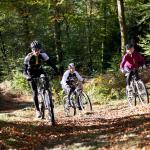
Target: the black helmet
(35, 45)
(128, 46)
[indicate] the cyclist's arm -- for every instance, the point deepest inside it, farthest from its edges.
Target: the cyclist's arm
(49, 62)
(25, 69)
(64, 78)
(78, 76)
(123, 62)
(26, 62)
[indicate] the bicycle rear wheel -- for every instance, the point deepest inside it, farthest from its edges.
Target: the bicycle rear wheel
(131, 96)
(85, 102)
(70, 109)
(49, 105)
(142, 92)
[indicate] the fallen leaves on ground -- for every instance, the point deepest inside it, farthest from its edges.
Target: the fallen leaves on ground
(107, 127)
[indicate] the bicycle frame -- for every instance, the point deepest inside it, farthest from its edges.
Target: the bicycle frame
(43, 86)
(136, 91)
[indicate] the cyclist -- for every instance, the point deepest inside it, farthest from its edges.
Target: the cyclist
(131, 60)
(70, 77)
(33, 69)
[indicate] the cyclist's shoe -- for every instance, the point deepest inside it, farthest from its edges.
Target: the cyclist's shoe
(38, 114)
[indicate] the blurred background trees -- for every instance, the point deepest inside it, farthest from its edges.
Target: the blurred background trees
(90, 33)
(86, 32)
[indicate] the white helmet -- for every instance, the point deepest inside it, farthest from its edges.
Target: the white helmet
(71, 65)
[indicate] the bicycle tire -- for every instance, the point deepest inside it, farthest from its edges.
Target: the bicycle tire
(41, 105)
(142, 92)
(49, 105)
(69, 110)
(131, 96)
(85, 102)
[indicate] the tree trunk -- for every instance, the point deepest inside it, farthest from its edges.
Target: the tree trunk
(89, 10)
(3, 50)
(122, 24)
(57, 37)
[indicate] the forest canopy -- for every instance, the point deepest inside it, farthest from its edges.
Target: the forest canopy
(85, 32)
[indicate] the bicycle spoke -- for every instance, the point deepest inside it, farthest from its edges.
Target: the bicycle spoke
(69, 109)
(142, 92)
(41, 105)
(85, 102)
(49, 106)
(131, 97)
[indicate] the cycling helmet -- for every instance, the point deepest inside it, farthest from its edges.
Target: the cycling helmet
(35, 45)
(71, 65)
(129, 46)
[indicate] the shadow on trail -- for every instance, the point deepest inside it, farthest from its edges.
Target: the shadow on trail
(12, 103)
(97, 133)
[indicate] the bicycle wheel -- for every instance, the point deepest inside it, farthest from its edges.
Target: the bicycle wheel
(85, 102)
(131, 96)
(142, 92)
(49, 105)
(69, 109)
(41, 105)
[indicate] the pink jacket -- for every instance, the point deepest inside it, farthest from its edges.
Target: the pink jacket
(132, 61)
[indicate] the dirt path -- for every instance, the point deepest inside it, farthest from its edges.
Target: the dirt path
(113, 126)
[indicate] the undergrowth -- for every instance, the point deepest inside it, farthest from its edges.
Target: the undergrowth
(101, 88)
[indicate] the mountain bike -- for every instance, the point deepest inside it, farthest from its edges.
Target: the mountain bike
(45, 97)
(78, 99)
(137, 90)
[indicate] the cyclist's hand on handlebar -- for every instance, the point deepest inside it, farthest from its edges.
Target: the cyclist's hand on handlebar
(85, 81)
(122, 70)
(29, 78)
(144, 67)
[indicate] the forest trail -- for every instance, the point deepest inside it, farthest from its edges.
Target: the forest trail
(114, 126)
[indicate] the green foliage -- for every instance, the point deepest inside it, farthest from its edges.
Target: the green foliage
(19, 83)
(115, 62)
(20, 86)
(87, 32)
(106, 87)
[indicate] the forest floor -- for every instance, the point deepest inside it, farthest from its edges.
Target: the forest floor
(114, 126)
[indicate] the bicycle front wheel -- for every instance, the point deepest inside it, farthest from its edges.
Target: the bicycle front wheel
(85, 102)
(131, 96)
(41, 104)
(49, 105)
(70, 109)
(142, 92)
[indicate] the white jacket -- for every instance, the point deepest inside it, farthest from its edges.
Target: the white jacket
(66, 75)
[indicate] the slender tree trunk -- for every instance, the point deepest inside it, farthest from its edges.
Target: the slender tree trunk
(3, 50)
(122, 24)
(23, 11)
(89, 34)
(57, 37)
(103, 63)
(4, 54)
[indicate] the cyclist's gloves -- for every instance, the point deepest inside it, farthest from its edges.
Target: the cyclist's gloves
(28, 77)
(123, 71)
(144, 66)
